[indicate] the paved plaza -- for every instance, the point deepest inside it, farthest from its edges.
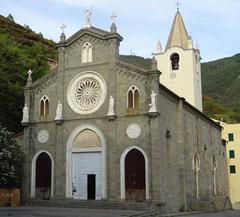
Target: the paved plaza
(80, 212)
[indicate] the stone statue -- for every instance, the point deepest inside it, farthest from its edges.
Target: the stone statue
(111, 107)
(88, 14)
(153, 107)
(25, 118)
(59, 112)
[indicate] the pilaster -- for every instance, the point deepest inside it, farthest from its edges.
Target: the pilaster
(60, 151)
(181, 155)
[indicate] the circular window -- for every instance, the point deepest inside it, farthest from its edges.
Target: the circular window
(86, 92)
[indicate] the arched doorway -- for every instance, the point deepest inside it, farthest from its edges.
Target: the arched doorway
(86, 164)
(135, 175)
(42, 176)
(86, 155)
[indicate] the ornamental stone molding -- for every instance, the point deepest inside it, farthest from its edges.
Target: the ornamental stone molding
(133, 130)
(43, 136)
(86, 92)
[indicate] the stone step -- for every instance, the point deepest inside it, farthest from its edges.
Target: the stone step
(203, 205)
(93, 204)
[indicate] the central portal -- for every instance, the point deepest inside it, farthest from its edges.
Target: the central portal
(87, 176)
(86, 164)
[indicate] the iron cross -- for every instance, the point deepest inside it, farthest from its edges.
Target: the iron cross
(178, 4)
(63, 26)
(113, 17)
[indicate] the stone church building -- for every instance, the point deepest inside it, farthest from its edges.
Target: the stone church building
(98, 128)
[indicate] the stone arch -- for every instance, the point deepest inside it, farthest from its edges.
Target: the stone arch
(69, 151)
(122, 171)
(33, 175)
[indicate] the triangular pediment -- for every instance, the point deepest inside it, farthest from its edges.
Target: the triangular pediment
(94, 32)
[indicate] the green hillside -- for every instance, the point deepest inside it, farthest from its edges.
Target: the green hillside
(137, 61)
(20, 50)
(221, 81)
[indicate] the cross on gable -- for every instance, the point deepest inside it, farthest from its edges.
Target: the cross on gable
(63, 26)
(113, 17)
(178, 4)
(29, 72)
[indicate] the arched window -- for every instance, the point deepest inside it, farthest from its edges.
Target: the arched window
(175, 61)
(133, 98)
(44, 106)
(87, 53)
(196, 168)
(214, 169)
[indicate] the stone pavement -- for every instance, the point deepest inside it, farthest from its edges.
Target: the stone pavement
(80, 212)
(63, 212)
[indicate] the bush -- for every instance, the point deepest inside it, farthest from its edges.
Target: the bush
(11, 160)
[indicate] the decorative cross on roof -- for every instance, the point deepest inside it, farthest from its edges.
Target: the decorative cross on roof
(178, 4)
(113, 17)
(63, 26)
(29, 72)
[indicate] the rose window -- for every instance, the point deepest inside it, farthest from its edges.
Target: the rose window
(86, 92)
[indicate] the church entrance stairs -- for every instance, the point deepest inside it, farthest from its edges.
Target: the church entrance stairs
(147, 206)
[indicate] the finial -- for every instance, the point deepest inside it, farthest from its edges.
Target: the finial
(159, 47)
(63, 26)
(131, 52)
(113, 17)
(29, 80)
(113, 26)
(154, 63)
(62, 37)
(178, 4)
(29, 72)
(88, 14)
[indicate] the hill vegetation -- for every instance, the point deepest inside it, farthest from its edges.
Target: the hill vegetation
(22, 49)
(221, 81)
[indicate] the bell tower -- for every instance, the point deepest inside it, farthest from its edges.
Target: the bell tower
(180, 64)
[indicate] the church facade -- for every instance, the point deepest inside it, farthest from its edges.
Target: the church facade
(98, 128)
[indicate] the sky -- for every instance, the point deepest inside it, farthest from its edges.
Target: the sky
(213, 24)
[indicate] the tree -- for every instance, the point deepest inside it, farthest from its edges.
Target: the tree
(40, 34)
(10, 17)
(11, 160)
(27, 27)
